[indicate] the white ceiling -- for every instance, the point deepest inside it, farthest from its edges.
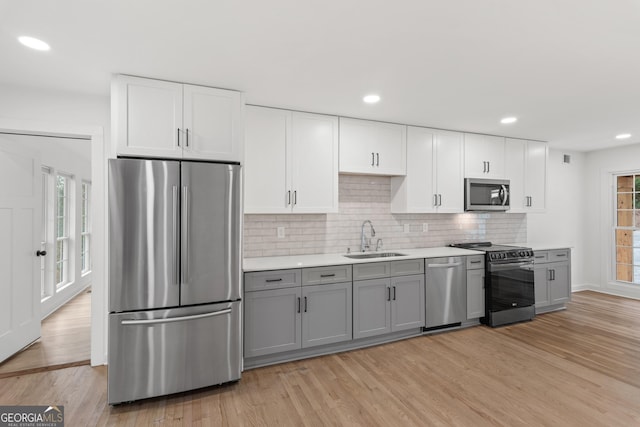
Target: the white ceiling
(568, 69)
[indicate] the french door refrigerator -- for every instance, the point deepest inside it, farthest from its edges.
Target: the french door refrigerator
(174, 277)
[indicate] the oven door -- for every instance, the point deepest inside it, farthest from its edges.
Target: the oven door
(510, 285)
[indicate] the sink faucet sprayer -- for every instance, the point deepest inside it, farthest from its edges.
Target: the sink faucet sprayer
(366, 243)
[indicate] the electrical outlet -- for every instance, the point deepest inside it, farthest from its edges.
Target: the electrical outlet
(407, 228)
(425, 227)
(280, 232)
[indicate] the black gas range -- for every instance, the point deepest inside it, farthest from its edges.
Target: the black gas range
(509, 282)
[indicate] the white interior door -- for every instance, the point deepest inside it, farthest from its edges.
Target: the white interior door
(19, 240)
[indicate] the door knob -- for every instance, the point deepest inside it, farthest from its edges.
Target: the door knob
(41, 253)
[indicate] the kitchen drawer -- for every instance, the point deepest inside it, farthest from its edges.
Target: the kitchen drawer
(276, 279)
(475, 261)
(540, 257)
(559, 255)
(407, 267)
(324, 275)
(371, 270)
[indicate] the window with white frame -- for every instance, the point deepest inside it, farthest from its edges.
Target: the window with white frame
(627, 227)
(63, 191)
(85, 244)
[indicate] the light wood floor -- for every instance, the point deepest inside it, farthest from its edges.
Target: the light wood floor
(65, 341)
(576, 367)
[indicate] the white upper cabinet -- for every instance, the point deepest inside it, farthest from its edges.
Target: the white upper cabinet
(291, 162)
(154, 118)
(483, 156)
(434, 180)
(526, 163)
(373, 148)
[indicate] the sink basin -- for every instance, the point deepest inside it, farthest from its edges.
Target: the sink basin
(374, 255)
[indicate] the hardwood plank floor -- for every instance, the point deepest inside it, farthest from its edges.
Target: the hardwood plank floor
(65, 341)
(575, 367)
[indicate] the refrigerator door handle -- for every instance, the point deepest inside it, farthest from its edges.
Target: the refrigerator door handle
(176, 254)
(185, 234)
(175, 319)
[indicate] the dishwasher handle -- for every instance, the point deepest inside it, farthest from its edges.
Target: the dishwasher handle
(448, 265)
(175, 319)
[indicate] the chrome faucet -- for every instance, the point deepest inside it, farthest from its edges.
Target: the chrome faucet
(364, 242)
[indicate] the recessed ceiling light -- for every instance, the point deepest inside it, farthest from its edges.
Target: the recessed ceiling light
(371, 99)
(508, 120)
(623, 136)
(33, 43)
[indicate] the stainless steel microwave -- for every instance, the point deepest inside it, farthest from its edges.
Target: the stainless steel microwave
(486, 194)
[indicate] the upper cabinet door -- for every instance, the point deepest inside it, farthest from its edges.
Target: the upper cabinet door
(536, 175)
(375, 148)
(483, 156)
(314, 153)
(515, 154)
(212, 124)
(449, 147)
(148, 117)
(266, 162)
(416, 192)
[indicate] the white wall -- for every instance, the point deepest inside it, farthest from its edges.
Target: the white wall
(63, 113)
(564, 221)
(599, 199)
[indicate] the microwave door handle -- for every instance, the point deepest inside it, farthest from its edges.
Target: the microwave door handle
(504, 194)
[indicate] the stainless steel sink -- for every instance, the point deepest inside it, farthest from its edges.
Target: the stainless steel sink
(374, 255)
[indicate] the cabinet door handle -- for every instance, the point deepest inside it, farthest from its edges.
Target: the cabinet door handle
(298, 304)
(305, 304)
(435, 200)
(394, 293)
(373, 159)
(187, 139)
(295, 197)
(377, 159)
(439, 199)
(288, 197)
(178, 137)
(388, 294)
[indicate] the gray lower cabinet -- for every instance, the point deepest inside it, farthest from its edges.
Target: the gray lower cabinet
(407, 302)
(475, 286)
(285, 310)
(272, 321)
(387, 305)
(326, 314)
(371, 307)
(552, 278)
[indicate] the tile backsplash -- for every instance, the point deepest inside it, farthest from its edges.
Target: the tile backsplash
(364, 197)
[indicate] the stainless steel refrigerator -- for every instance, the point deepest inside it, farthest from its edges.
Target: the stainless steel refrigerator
(174, 277)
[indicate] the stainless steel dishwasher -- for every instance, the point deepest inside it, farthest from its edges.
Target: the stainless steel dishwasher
(446, 291)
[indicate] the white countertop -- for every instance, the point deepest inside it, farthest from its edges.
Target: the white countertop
(318, 260)
(542, 246)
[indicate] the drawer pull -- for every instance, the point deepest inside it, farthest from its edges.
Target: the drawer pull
(328, 275)
(561, 255)
(539, 257)
(475, 262)
(273, 280)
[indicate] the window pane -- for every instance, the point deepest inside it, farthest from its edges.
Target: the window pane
(623, 237)
(624, 272)
(624, 255)
(625, 218)
(636, 275)
(637, 201)
(60, 227)
(625, 200)
(58, 272)
(59, 248)
(637, 182)
(625, 183)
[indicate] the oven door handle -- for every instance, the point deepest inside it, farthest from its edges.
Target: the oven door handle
(525, 265)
